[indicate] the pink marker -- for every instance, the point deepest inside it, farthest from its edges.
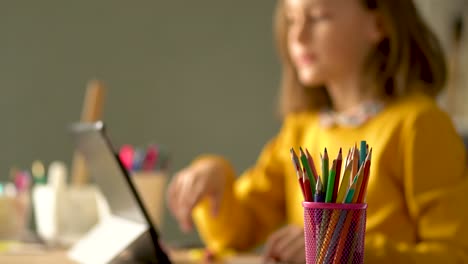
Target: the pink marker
(126, 156)
(22, 181)
(151, 157)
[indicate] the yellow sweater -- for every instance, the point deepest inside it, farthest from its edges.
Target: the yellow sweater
(417, 192)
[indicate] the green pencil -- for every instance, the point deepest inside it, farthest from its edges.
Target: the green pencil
(305, 164)
(325, 171)
(350, 192)
(331, 184)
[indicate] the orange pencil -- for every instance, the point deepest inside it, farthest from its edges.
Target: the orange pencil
(311, 164)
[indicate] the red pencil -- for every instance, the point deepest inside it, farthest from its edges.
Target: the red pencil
(307, 190)
(365, 180)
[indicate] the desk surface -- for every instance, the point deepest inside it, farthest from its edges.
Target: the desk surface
(60, 257)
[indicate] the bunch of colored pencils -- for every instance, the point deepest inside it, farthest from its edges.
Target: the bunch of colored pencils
(333, 229)
(333, 186)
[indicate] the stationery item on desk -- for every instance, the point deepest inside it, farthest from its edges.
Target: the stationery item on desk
(309, 174)
(151, 187)
(363, 189)
(358, 178)
(331, 184)
(339, 161)
(335, 230)
(22, 180)
(348, 157)
(126, 154)
(351, 191)
(325, 169)
(148, 170)
(14, 207)
(362, 152)
(151, 158)
(319, 195)
(45, 200)
(344, 185)
(307, 187)
(311, 164)
(163, 158)
(138, 157)
(355, 162)
(297, 166)
(38, 172)
(62, 213)
(57, 175)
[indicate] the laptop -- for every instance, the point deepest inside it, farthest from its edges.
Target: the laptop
(129, 230)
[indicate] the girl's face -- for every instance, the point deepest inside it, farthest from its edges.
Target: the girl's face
(329, 40)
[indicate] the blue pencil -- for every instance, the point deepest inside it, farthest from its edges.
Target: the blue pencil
(362, 152)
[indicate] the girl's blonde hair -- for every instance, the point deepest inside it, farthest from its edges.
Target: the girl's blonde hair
(408, 54)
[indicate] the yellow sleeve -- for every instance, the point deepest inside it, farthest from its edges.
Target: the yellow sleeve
(435, 186)
(253, 205)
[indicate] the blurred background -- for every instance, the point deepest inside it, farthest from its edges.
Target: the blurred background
(196, 76)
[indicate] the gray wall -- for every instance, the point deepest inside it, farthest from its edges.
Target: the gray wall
(198, 76)
(441, 16)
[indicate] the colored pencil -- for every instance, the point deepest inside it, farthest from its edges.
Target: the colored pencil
(339, 161)
(305, 165)
(297, 166)
(325, 168)
(312, 164)
(331, 184)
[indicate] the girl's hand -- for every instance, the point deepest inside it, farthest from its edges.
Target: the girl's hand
(204, 178)
(286, 245)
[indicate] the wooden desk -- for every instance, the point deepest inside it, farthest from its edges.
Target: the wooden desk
(60, 257)
(50, 257)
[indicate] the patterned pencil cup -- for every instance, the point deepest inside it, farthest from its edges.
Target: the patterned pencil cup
(334, 233)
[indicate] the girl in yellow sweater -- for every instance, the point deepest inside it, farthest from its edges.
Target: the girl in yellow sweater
(352, 70)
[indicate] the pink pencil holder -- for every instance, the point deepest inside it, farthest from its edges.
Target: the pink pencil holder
(334, 232)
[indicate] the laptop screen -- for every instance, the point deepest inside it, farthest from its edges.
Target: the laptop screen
(106, 171)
